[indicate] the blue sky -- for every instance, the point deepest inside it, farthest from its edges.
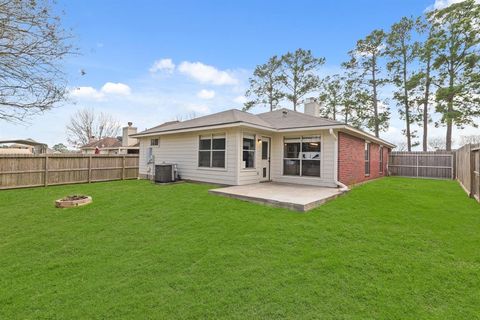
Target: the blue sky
(153, 61)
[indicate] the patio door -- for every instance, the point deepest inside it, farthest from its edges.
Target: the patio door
(265, 162)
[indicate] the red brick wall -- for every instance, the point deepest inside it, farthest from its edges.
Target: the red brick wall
(351, 160)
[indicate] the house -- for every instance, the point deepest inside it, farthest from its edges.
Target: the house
(110, 145)
(23, 146)
(237, 148)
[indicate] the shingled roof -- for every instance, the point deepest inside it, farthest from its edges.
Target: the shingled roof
(289, 119)
(278, 120)
(107, 142)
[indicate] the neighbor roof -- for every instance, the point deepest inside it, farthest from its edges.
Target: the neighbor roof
(278, 120)
(28, 142)
(107, 142)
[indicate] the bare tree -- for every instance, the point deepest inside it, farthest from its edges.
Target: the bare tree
(471, 139)
(401, 146)
(437, 143)
(32, 46)
(189, 116)
(85, 124)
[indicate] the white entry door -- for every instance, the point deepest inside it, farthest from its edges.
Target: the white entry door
(265, 162)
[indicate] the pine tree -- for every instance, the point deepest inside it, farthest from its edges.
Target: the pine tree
(364, 61)
(456, 43)
(266, 85)
(402, 53)
(299, 74)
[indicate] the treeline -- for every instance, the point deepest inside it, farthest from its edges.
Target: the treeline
(433, 62)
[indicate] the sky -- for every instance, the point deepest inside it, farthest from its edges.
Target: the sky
(154, 61)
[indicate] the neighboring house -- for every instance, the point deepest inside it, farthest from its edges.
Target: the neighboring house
(110, 145)
(237, 148)
(23, 146)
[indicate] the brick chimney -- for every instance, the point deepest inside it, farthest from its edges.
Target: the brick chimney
(127, 141)
(311, 107)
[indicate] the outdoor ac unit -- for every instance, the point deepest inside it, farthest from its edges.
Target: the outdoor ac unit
(165, 172)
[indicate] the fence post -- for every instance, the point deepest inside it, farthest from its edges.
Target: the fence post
(45, 177)
(471, 168)
(123, 168)
(417, 165)
(454, 165)
(89, 169)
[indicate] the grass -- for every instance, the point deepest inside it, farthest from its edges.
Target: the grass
(390, 249)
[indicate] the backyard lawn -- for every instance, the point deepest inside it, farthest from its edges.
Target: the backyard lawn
(393, 248)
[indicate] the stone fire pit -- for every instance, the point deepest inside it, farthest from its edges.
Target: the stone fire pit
(73, 201)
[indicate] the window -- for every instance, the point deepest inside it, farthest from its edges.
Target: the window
(264, 150)
(248, 151)
(381, 160)
(211, 151)
(301, 156)
(154, 142)
(367, 158)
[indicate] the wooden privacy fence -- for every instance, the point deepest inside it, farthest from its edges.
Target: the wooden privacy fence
(18, 171)
(468, 169)
(438, 164)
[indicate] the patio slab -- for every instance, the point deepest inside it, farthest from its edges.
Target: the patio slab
(291, 196)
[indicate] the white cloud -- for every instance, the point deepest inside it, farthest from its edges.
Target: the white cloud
(240, 99)
(108, 89)
(206, 94)
(166, 65)
(86, 93)
(116, 89)
(441, 4)
(206, 74)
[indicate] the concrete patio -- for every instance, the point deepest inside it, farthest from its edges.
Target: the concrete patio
(291, 196)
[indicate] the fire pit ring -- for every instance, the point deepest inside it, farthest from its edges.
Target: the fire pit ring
(73, 201)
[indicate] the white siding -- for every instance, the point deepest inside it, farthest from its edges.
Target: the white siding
(251, 175)
(182, 149)
(327, 169)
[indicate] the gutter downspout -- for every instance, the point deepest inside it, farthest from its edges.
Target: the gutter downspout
(343, 187)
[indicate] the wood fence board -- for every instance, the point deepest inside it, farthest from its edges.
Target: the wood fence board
(437, 165)
(19, 171)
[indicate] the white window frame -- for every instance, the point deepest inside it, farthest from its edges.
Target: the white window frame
(254, 151)
(300, 156)
(367, 152)
(211, 137)
(380, 159)
(156, 140)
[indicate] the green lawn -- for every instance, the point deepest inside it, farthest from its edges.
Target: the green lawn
(393, 248)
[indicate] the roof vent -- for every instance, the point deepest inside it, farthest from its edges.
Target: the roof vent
(284, 112)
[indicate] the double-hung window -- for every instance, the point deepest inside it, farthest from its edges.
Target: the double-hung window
(381, 160)
(211, 151)
(301, 156)
(367, 158)
(248, 156)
